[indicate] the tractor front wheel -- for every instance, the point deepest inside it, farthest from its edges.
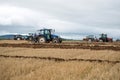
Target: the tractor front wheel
(56, 40)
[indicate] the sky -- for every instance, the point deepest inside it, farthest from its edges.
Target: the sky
(65, 16)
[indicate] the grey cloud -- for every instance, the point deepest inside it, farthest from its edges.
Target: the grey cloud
(92, 16)
(16, 28)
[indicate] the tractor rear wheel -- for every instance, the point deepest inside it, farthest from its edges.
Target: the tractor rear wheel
(100, 40)
(41, 40)
(89, 40)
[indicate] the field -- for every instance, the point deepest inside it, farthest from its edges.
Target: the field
(20, 60)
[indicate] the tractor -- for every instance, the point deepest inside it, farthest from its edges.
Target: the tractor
(18, 37)
(44, 36)
(90, 38)
(104, 38)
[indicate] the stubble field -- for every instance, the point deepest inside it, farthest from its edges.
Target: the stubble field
(34, 63)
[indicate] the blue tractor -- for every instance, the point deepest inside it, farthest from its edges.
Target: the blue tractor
(44, 36)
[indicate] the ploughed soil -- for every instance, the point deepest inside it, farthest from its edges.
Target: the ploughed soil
(68, 45)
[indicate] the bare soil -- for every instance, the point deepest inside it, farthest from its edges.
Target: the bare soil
(65, 45)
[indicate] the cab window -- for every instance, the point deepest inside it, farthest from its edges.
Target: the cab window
(47, 32)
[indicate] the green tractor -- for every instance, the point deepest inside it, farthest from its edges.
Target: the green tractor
(104, 38)
(44, 36)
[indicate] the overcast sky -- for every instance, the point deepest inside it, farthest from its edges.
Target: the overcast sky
(76, 16)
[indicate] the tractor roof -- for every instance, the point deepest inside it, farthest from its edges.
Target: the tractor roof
(43, 29)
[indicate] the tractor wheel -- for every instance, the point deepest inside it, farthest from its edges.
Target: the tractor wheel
(30, 38)
(100, 40)
(18, 38)
(41, 40)
(56, 40)
(90, 40)
(60, 40)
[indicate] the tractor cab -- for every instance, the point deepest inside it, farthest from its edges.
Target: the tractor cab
(46, 33)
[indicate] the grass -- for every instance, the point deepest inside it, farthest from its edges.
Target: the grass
(13, 41)
(63, 53)
(27, 69)
(37, 69)
(33, 69)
